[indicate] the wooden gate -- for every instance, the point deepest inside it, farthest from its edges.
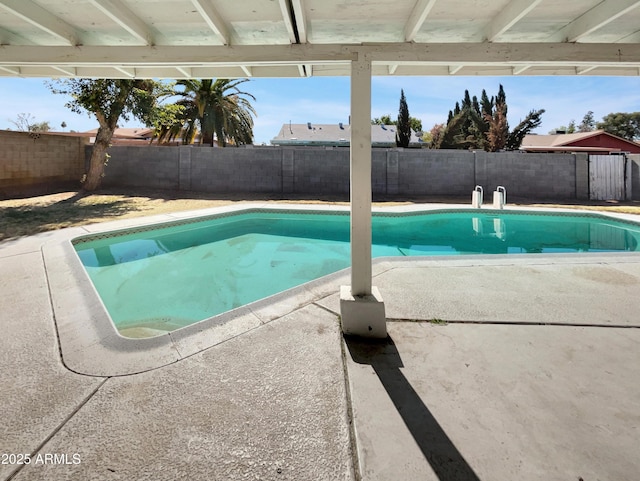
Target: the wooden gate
(607, 177)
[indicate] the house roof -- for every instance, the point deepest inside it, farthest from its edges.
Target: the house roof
(336, 134)
(301, 38)
(142, 133)
(560, 142)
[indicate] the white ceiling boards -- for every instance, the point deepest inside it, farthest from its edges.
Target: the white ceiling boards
(299, 38)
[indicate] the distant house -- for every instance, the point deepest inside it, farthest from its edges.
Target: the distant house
(337, 135)
(596, 142)
(125, 136)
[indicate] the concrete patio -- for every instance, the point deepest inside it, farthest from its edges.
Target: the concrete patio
(519, 367)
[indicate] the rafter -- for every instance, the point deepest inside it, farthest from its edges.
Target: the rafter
(509, 16)
(33, 13)
(454, 69)
(11, 70)
(129, 72)
(288, 21)
(213, 19)
(392, 68)
(300, 19)
(596, 18)
(520, 69)
(417, 18)
(185, 71)
(123, 16)
(8, 38)
(247, 70)
(68, 71)
(584, 70)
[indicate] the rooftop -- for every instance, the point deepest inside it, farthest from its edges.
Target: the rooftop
(338, 134)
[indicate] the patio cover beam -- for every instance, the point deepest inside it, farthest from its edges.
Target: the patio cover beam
(43, 19)
(125, 18)
(301, 20)
(596, 18)
(214, 20)
(509, 16)
(480, 55)
(417, 18)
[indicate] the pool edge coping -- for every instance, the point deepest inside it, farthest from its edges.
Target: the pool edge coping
(91, 345)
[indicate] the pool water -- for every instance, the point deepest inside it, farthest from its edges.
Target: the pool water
(171, 276)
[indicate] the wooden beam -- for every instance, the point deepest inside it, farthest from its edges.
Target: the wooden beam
(33, 13)
(584, 70)
(131, 73)
(417, 18)
(508, 17)
(68, 71)
(247, 70)
(186, 72)
(413, 57)
(301, 19)
(520, 69)
(125, 18)
(455, 69)
(596, 18)
(288, 21)
(12, 70)
(214, 20)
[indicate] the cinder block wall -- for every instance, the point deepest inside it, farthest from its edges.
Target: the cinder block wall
(325, 171)
(148, 166)
(435, 172)
(528, 175)
(30, 160)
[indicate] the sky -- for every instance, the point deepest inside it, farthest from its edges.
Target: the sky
(325, 100)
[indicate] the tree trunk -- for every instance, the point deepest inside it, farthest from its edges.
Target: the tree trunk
(98, 158)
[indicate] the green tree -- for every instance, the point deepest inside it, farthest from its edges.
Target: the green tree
(108, 100)
(517, 135)
(403, 132)
(384, 120)
(168, 123)
(483, 124)
(588, 123)
(219, 109)
(40, 127)
(625, 125)
(416, 124)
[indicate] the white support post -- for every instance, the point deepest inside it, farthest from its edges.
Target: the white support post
(361, 306)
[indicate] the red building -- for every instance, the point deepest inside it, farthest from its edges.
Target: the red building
(596, 142)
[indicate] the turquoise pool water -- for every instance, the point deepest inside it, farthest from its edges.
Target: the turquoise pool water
(167, 277)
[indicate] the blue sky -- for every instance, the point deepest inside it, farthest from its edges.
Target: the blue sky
(326, 100)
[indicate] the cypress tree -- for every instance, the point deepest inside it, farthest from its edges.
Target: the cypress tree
(403, 132)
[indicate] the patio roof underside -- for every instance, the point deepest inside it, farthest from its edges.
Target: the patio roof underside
(301, 38)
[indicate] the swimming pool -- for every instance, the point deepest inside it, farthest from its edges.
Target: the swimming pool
(158, 279)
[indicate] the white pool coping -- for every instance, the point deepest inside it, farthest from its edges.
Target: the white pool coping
(91, 345)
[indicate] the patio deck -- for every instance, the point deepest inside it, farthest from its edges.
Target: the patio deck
(534, 375)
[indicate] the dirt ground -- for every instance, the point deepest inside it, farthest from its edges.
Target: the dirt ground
(43, 212)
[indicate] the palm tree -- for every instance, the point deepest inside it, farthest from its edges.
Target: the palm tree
(218, 108)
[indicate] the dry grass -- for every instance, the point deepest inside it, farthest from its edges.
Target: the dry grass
(31, 215)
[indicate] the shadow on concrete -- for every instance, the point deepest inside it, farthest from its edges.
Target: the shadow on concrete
(438, 449)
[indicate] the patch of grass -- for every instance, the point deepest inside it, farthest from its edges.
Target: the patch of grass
(437, 321)
(32, 218)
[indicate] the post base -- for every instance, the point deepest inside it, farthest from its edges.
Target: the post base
(362, 315)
